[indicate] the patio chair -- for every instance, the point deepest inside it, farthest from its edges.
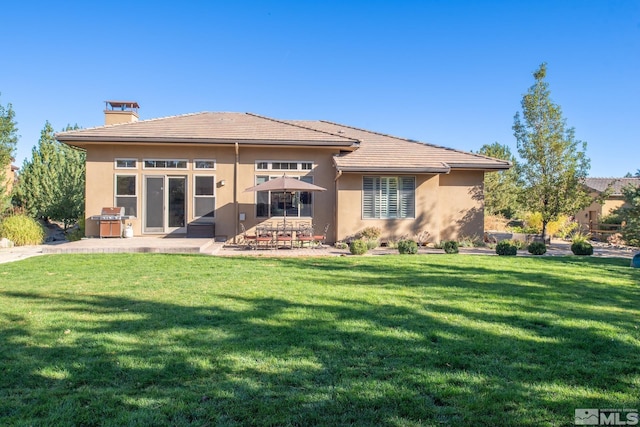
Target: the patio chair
(320, 238)
(263, 237)
(249, 239)
(305, 235)
(284, 235)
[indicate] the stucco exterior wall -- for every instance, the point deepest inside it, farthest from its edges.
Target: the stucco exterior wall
(101, 173)
(595, 210)
(8, 176)
(447, 206)
(461, 205)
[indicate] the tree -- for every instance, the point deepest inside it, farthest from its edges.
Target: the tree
(51, 184)
(630, 215)
(501, 188)
(8, 142)
(555, 163)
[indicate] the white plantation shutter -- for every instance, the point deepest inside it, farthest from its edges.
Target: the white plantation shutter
(407, 197)
(369, 196)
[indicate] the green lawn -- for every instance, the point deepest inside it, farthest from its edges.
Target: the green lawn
(141, 339)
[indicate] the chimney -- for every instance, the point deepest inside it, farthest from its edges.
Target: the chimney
(117, 112)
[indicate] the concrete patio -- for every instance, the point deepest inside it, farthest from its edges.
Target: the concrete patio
(207, 246)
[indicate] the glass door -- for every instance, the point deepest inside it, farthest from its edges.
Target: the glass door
(165, 204)
(154, 204)
(176, 202)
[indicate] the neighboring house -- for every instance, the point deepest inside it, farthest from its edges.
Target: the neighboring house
(8, 175)
(589, 217)
(171, 172)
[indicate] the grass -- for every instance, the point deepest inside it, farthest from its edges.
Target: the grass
(142, 339)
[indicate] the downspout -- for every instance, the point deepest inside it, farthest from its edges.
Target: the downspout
(235, 192)
(335, 205)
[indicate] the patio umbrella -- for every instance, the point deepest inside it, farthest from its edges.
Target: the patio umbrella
(286, 184)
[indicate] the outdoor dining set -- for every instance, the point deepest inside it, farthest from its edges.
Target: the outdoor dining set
(284, 235)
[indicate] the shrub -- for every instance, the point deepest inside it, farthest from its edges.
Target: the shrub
(582, 248)
(372, 244)
(341, 245)
(537, 248)
(450, 246)
(358, 247)
(407, 247)
(370, 233)
(22, 230)
(506, 247)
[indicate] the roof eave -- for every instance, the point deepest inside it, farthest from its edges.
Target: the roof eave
(144, 140)
(383, 169)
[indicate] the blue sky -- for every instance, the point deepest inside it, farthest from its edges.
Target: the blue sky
(450, 73)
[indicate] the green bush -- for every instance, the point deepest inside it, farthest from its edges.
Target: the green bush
(358, 247)
(370, 233)
(372, 244)
(22, 230)
(582, 248)
(506, 247)
(450, 246)
(537, 248)
(407, 247)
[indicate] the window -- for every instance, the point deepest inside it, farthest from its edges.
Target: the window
(388, 197)
(204, 164)
(126, 163)
(204, 205)
(274, 203)
(126, 195)
(165, 164)
(283, 165)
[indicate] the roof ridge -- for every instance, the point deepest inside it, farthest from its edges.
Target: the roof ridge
(416, 142)
(138, 121)
(290, 123)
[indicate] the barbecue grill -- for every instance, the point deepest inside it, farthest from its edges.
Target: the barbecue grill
(110, 221)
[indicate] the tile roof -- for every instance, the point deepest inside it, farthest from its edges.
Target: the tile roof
(380, 152)
(365, 151)
(207, 127)
(617, 184)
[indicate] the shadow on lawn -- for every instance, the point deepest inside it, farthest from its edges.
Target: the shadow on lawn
(434, 354)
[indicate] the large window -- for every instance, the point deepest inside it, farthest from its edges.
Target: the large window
(126, 194)
(274, 203)
(204, 204)
(388, 197)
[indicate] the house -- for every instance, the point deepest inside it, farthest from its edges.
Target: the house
(174, 173)
(589, 218)
(8, 175)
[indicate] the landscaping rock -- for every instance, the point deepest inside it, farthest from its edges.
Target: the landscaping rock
(6, 243)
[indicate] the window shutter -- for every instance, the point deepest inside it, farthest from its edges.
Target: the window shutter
(368, 197)
(407, 197)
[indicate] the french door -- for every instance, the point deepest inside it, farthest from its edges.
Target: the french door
(165, 204)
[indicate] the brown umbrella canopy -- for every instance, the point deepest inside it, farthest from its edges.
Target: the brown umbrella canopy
(285, 183)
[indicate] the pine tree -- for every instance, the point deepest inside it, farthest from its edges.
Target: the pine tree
(51, 184)
(555, 163)
(8, 142)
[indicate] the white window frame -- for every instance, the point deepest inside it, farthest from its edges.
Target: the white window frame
(299, 165)
(204, 160)
(144, 164)
(116, 160)
(383, 199)
(135, 188)
(196, 196)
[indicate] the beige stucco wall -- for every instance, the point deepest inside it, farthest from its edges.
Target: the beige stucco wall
(447, 206)
(598, 210)
(101, 172)
(8, 177)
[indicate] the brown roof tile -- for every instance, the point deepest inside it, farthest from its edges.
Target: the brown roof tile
(379, 152)
(207, 127)
(617, 184)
